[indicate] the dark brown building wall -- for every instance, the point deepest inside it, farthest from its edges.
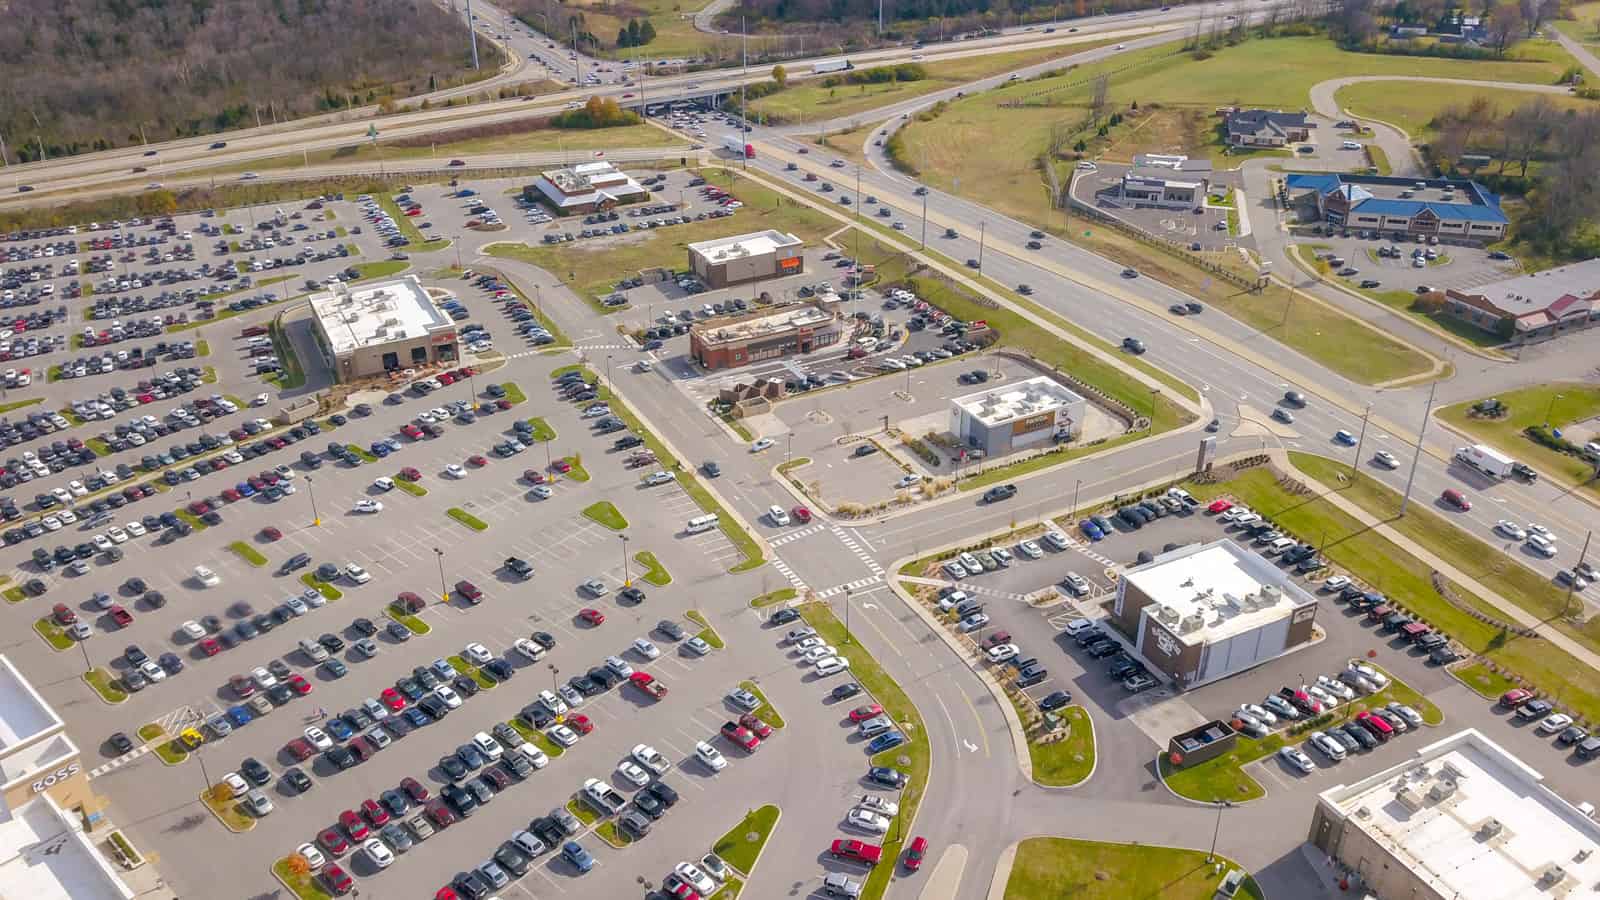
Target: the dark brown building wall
(1300, 626)
(1127, 615)
(1176, 667)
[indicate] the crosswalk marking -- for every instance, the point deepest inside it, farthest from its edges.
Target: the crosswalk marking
(120, 761)
(796, 535)
(786, 572)
(856, 585)
(856, 548)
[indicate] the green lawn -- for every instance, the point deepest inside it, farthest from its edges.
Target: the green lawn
(1533, 406)
(20, 404)
(327, 590)
(410, 487)
(766, 712)
(888, 694)
(304, 887)
(192, 519)
(292, 375)
(654, 571)
(781, 595)
(53, 634)
(541, 430)
(606, 513)
(461, 664)
(1066, 762)
(707, 633)
(592, 268)
(538, 739)
(248, 553)
(1397, 691)
(1222, 778)
(416, 625)
(105, 684)
(1484, 682)
(1047, 868)
(514, 393)
(809, 101)
(380, 268)
(741, 846)
(607, 831)
(230, 812)
(361, 453)
(466, 518)
(1374, 560)
(585, 815)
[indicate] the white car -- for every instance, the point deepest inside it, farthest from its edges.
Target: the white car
(1336, 583)
(562, 735)
(193, 630)
(1002, 652)
(237, 784)
(313, 857)
(263, 678)
(101, 542)
(206, 577)
(1554, 723)
(454, 470)
(807, 643)
(477, 654)
(819, 653)
(1411, 716)
(908, 480)
(555, 704)
(974, 622)
(542, 491)
(1336, 687)
(1260, 714)
(619, 666)
(777, 515)
(1541, 545)
(357, 574)
(135, 529)
(1329, 747)
(530, 651)
(867, 820)
(488, 746)
(709, 755)
(633, 774)
(369, 506)
(880, 804)
(1030, 549)
(650, 758)
(535, 757)
(1511, 530)
(383, 484)
(1326, 698)
(697, 879)
(762, 444)
(645, 648)
(833, 665)
(318, 738)
(152, 671)
(1370, 674)
(117, 535)
(448, 695)
(379, 852)
(1296, 757)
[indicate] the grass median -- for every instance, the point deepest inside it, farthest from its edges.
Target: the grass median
(537, 738)
(410, 487)
(741, 846)
(585, 815)
(53, 634)
(248, 553)
(468, 669)
(168, 751)
(1069, 761)
(363, 454)
(1051, 867)
(1557, 405)
(305, 885)
(654, 572)
(771, 598)
(912, 758)
(766, 712)
(514, 393)
(105, 684)
(609, 832)
(575, 469)
(541, 430)
(327, 590)
(707, 633)
(227, 808)
(416, 625)
(467, 519)
(607, 514)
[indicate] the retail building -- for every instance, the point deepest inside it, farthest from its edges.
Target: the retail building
(379, 328)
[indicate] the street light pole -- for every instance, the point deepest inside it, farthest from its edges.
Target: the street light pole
(1550, 410)
(1221, 805)
(553, 673)
(444, 595)
(1417, 456)
(1355, 470)
(315, 519)
(847, 615)
(626, 580)
(1078, 483)
(983, 229)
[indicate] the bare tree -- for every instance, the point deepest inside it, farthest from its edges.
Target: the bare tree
(1100, 94)
(1505, 24)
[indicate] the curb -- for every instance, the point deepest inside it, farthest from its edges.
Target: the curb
(1209, 804)
(1002, 871)
(764, 844)
(1094, 741)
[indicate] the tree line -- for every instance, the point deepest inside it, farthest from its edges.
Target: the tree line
(82, 75)
(1358, 23)
(599, 112)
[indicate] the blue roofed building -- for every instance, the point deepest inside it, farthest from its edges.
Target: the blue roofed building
(1448, 209)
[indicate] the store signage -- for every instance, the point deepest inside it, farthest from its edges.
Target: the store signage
(56, 777)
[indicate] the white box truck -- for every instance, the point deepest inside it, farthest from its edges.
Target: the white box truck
(1487, 460)
(832, 65)
(738, 146)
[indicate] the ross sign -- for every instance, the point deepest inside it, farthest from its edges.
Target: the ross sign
(1033, 423)
(56, 777)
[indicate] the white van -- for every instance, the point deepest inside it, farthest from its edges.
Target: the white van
(1351, 145)
(1279, 546)
(701, 523)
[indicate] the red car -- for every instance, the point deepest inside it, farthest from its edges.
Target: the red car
(502, 404)
(861, 851)
(339, 881)
(414, 790)
(211, 646)
(580, 723)
(592, 616)
(410, 474)
(1219, 506)
(374, 812)
(562, 466)
(242, 686)
(801, 514)
(299, 748)
(761, 729)
(300, 685)
(863, 713)
(915, 851)
(231, 495)
(1515, 697)
(411, 431)
(466, 372)
(332, 840)
(122, 617)
(446, 893)
(477, 461)
(469, 590)
(741, 735)
(392, 699)
(532, 477)
(63, 615)
(440, 814)
(353, 825)
(446, 378)
(997, 638)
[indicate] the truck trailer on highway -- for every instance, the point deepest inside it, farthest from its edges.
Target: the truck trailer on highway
(738, 146)
(1487, 460)
(832, 65)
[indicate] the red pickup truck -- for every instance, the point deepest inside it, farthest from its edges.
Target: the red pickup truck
(648, 683)
(859, 851)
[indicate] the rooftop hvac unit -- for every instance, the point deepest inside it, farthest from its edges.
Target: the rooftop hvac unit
(1490, 828)
(1166, 615)
(1270, 594)
(1553, 875)
(1191, 623)
(1450, 769)
(1409, 798)
(1443, 789)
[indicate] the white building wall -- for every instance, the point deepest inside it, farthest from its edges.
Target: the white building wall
(1240, 652)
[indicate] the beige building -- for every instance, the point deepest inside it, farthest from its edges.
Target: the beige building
(747, 257)
(385, 327)
(1460, 818)
(45, 852)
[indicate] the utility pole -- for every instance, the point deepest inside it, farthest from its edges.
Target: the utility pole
(1417, 456)
(472, 33)
(924, 221)
(983, 228)
(1572, 583)
(1355, 470)
(577, 58)
(880, 18)
(744, 115)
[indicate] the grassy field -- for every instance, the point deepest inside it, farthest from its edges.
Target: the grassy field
(1223, 777)
(1482, 681)
(1559, 404)
(466, 518)
(1067, 762)
(848, 143)
(1584, 26)
(606, 514)
(654, 571)
(592, 268)
(741, 846)
(1413, 107)
(1051, 867)
(1376, 561)
(381, 268)
(809, 101)
(675, 32)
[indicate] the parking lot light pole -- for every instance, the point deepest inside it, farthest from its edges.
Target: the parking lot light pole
(315, 519)
(1221, 805)
(1416, 457)
(553, 673)
(1078, 483)
(444, 595)
(847, 615)
(626, 579)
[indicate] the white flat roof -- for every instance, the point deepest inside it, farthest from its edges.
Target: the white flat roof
(1208, 592)
(24, 715)
(720, 250)
(764, 325)
(1018, 400)
(44, 855)
(370, 315)
(1472, 820)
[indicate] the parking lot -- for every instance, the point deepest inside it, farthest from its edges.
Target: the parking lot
(1204, 227)
(1391, 263)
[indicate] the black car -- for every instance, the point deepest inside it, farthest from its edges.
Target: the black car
(1055, 700)
(784, 616)
(331, 643)
(453, 767)
(296, 779)
(544, 639)
(999, 492)
(499, 670)
(433, 706)
(546, 829)
(662, 792)
(535, 715)
(364, 627)
(121, 743)
(1361, 735)
(845, 691)
(340, 758)
(254, 771)
(425, 677)
(512, 859)
(649, 805)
